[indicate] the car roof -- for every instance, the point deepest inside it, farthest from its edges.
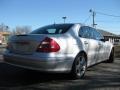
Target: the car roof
(66, 23)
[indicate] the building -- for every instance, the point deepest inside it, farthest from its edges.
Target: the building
(4, 37)
(113, 38)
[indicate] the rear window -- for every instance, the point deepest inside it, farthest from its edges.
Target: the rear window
(53, 29)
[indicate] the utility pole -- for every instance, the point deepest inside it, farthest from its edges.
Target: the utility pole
(64, 18)
(93, 18)
(93, 15)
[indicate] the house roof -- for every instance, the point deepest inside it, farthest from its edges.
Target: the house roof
(5, 33)
(105, 33)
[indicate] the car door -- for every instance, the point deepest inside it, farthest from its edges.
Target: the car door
(101, 46)
(83, 34)
(89, 44)
(93, 52)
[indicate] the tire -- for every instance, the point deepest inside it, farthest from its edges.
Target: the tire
(79, 67)
(111, 57)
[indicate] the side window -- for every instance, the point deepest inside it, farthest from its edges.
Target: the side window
(81, 32)
(97, 35)
(91, 32)
(100, 36)
(84, 32)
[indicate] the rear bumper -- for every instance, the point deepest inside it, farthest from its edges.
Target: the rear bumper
(51, 64)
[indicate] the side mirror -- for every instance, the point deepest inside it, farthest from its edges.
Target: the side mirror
(80, 35)
(102, 40)
(106, 39)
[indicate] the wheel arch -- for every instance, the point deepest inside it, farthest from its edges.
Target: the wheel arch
(86, 57)
(112, 49)
(73, 68)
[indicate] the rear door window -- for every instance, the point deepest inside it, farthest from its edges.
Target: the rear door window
(84, 32)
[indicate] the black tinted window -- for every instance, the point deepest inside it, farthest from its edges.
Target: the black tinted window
(84, 32)
(93, 33)
(53, 29)
(97, 35)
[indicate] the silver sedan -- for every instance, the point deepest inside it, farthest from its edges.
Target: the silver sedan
(69, 48)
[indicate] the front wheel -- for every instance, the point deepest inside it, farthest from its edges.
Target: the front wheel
(79, 66)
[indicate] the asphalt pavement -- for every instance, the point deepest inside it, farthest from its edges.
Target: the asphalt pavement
(104, 76)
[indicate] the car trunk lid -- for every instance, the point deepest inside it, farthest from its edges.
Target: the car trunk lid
(25, 44)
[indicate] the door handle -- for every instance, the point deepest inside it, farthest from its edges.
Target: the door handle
(85, 42)
(100, 44)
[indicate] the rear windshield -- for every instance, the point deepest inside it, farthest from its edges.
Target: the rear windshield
(53, 29)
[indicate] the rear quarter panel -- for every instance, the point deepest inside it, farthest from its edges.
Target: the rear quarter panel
(70, 43)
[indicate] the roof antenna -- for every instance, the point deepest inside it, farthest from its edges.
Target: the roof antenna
(54, 22)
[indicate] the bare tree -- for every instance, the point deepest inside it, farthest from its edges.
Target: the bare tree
(18, 30)
(4, 28)
(21, 30)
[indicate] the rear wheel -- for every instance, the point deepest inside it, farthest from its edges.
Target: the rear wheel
(79, 66)
(111, 57)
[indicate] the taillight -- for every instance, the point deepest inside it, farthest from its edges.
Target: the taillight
(48, 45)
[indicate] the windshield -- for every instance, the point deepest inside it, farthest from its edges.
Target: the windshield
(53, 29)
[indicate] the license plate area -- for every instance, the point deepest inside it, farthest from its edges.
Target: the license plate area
(22, 47)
